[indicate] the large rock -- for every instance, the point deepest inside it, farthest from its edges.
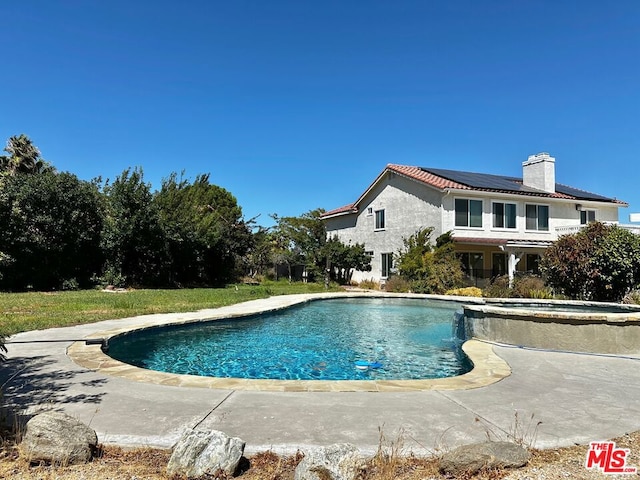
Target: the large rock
(205, 452)
(341, 461)
(55, 437)
(471, 459)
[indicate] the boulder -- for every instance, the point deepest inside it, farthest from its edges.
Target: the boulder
(205, 452)
(55, 437)
(471, 459)
(341, 461)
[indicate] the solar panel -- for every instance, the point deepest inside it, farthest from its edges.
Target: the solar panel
(487, 181)
(580, 194)
(481, 180)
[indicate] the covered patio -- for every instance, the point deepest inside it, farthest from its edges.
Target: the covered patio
(484, 259)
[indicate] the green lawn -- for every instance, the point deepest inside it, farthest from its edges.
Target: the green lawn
(21, 312)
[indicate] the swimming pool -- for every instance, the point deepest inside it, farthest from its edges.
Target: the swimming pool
(338, 339)
(575, 326)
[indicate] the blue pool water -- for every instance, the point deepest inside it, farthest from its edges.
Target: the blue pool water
(342, 339)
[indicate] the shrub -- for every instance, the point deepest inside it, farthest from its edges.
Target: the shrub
(632, 298)
(113, 277)
(542, 294)
(498, 288)
(601, 262)
(465, 292)
(421, 286)
(133, 242)
(524, 286)
(50, 227)
(70, 284)
(430, 269)
(252, 280)
(369, 284)
(398, 284)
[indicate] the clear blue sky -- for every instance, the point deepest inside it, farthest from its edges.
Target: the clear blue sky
(293, 105)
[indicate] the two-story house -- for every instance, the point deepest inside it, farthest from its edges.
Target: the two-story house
(500, 224)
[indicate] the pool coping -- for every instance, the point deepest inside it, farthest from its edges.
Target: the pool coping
(488, 368)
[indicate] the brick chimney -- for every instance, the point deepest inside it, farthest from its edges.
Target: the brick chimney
(539, 172)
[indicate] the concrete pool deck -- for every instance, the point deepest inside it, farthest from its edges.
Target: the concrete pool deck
(550, 398)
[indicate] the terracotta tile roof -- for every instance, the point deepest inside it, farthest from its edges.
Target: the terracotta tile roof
(346, 208)
(443, 179)
(424, 176)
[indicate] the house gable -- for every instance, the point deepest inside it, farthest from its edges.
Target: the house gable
(506, 216)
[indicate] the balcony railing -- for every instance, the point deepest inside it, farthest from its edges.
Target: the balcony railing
(571, 229)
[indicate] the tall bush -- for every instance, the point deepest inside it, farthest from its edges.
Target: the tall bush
(133, 241)
(601, 262)
(50, 225)
(344, 259)
(428, 268)
(301, 241)
(206, 233)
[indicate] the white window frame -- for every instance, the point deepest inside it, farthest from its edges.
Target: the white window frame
(537, 218)
(505, 218)
(587, 213)
(468, 220)
(386, 261)
(376, 226)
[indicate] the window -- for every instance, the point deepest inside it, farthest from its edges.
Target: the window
(369, 211)
(472, 263)
(369, 253)
(537, 217)
(380, 220)
(504, 215)
(587, 216)
(468, 213)
(499, 264)
(533, 263)
(387, 264)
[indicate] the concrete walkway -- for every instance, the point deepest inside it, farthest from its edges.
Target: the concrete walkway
(550, 399)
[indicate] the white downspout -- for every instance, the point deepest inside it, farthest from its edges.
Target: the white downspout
(442, 210)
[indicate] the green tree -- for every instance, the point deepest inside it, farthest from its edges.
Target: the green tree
(600, 262)
(411, 263)
(300, 241)
(344, 259)
(50, 228)
(259, 259)
(133, 241)
(430, 269)
(206, 232)
(24, 157)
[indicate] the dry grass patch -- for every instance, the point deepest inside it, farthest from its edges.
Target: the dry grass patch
(389, 463)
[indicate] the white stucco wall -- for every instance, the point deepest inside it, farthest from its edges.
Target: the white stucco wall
(562, 214)
(409, 207)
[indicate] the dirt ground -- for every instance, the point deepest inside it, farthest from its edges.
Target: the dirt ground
(142, 464)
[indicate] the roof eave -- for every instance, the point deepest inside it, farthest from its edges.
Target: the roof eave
(339, 214)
